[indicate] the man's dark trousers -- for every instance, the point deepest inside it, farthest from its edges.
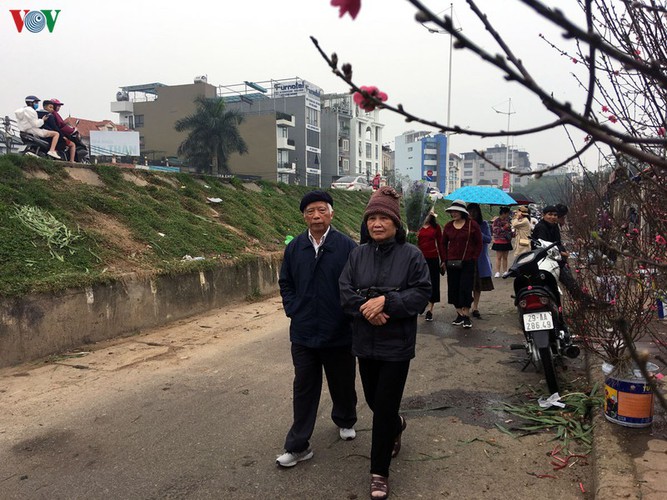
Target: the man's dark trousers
(340, 368)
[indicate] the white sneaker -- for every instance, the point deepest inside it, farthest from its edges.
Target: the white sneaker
(54, 155)
(497, 275)
(290, 459)
(347, 434)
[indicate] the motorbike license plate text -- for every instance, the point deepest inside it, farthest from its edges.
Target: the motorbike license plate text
(537, 321)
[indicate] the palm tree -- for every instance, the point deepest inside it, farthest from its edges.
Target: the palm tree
(213, 137)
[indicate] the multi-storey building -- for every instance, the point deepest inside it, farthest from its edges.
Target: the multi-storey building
(388, 169)
(289, 137)
(479, 171)
(298, 98)
(351, 139)
(421, 155)
(153, 108)
(454, 173)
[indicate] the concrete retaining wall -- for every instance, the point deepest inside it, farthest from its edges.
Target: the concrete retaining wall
(38, 325)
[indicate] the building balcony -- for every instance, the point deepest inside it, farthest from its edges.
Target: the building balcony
(122, 107)
(284, 120)
(430, 151)
(430, 163)
(285, 143)
(286, 168)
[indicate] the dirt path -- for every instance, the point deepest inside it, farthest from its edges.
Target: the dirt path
(200, 409)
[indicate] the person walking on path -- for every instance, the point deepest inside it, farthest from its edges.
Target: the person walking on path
(482, 281)
(429, 241)
(384, 287)
(501, 230)
(320, 332)
(522, 230)
(462, 241)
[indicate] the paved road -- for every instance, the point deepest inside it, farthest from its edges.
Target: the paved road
(199, 410)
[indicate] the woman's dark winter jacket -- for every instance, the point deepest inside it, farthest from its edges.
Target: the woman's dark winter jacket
(309, 288)
(399, 272)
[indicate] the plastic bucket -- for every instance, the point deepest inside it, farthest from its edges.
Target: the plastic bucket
(628, 399)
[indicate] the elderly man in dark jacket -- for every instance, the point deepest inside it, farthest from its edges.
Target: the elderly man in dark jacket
(319, 330)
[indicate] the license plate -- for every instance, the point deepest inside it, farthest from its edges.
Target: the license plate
(537, 321)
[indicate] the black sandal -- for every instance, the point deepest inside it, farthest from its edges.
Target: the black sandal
(379, 484)
(397, 441)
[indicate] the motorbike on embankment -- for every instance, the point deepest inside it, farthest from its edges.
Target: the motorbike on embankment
(537, 298)
(38, 146)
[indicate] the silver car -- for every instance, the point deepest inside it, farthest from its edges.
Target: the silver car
(352, 183)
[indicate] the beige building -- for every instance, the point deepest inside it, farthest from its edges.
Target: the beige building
(153, 109)
(266, 135)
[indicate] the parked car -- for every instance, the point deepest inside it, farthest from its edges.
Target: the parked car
(434, 194)
(352, 183)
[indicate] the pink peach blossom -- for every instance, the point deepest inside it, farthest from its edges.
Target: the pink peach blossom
(365, 102)
(351, 7)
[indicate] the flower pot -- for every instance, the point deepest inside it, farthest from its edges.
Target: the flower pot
(628, 399)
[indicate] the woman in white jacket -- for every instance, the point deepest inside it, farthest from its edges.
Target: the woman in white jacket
(28, 121)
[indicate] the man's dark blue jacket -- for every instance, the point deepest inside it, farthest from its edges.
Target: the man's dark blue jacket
(309, 288)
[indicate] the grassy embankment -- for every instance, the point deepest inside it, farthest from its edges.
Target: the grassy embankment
(119, 221)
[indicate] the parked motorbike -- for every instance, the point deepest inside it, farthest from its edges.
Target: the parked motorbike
(538, 301)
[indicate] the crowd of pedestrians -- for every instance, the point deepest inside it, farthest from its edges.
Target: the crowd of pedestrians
(359, 305)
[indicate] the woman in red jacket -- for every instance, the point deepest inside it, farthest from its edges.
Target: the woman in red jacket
(462, 241)
(429, 241)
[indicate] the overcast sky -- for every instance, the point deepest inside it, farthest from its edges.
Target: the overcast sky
(97, 47)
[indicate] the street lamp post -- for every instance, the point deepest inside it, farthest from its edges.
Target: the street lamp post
(442, 172)
(509, 113)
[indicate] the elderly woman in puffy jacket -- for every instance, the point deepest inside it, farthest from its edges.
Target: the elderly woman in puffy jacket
(384, 286)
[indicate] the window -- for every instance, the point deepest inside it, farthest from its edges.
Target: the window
(346, 144)
(346, 165)
(138, 121)
(369, 151)
(467, 173)
(312, 138)
(312, 117)
(410, 148)
(376, 151)
(377, 134)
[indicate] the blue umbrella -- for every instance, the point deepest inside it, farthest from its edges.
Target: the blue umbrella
(484, 195)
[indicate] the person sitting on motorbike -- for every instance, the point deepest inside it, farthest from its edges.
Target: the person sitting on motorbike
(548, 230)
(28, 121)
(54, 121)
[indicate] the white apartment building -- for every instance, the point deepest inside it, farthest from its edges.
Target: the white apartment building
(351, 139)
(478, 171)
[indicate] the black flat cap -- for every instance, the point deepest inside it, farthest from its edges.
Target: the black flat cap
(314, 196)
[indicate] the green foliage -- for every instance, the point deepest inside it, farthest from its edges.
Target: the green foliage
(213, 135)
(122, 227)
(549, 189)
(417, 205)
